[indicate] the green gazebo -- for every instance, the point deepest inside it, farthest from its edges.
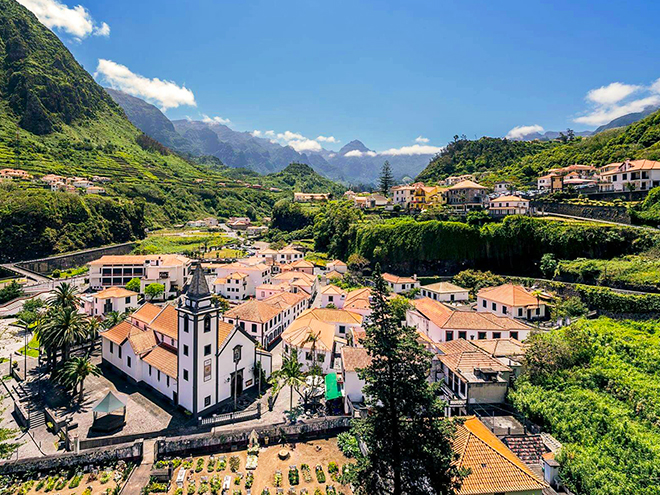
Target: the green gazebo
(106, 417)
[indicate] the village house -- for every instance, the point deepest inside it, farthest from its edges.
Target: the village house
(265, 320)
(398, 284)
(331, 294)
(95, 190)
(509, 352)
(470, 377)
(576, 175)
(442, 323)
(426, 196)
(233, 286)
(453, 180)
(493, 468)
(300, 197)
(353, 359)
(282, 256)
(403, 195)
(108, 300)
(466, 195)
(170, 270)
(12, 173)
(337, 265)
(376, 200)
(359, 301)
(631, 175)
(297, 281)
(318, 334)
(512, 300)
(186, 353)
(502, 187)
(302, 266)
(445, 292)
(240, 279)
(508, 205)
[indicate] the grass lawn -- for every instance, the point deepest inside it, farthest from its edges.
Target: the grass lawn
(225, 253)
(71, 272)
(32, 347)
(182, 242)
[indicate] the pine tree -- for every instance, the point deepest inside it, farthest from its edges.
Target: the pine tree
(408, 443)
(386, 178)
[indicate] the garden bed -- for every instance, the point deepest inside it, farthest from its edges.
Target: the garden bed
(205, 474)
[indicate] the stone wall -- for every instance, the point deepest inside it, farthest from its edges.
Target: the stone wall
(617, 214)
(45, 266)
(225, 440)
(128, 453)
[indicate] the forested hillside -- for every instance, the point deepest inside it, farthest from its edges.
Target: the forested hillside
(595, 387)
(522, 162)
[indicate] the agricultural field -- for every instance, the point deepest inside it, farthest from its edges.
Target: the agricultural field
(182, 242)
(225, 253)
(87, 480)
(311, 468)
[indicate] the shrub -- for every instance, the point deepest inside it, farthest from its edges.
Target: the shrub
(320, 475)
(234, 463)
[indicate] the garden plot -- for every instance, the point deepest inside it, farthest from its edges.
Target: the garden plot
(86, 480)
(311, 468)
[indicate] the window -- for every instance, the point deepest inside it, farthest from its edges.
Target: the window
(538, 311)
(149, 370)
(185, 350)
(112, 348)
(254, 328)
(504, 310)
(128, 361)
(331, 298)
(237, 353)
(185, 375)
(308, 356)
(207, 401)
(482, 335)
(520, 311)
(451, 297)
(119, 352)
(158, 377)
(207, 323)
(320, 358)
(342, 329)
(497, 335)
(207, 350)
(514, 335)
(128, 300)
(185, 324)
(483, 303)
(167, 381)
(494, 306)
(450, 336)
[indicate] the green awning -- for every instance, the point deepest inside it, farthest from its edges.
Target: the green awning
(331, 387)
(109, 403)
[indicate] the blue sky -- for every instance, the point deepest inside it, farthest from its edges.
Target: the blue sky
(383, 72)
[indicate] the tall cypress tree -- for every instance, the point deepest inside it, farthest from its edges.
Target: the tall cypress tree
(408, 443)
(386, 178)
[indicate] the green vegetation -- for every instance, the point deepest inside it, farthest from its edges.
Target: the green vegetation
(11, 291)
(648, 211)
(183, 242)
(70, 272)
(32, 349)
(595, 387)
(301, 178)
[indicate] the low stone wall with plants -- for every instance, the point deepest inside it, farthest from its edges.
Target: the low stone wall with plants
(617, 214)
(129, 453)
(218, 441)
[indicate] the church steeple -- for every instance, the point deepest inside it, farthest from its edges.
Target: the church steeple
(199, 287)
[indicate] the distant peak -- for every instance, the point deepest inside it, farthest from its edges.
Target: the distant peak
(355, 145)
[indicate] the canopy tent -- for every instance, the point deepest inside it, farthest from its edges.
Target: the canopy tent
(332, 390)
(104, 419)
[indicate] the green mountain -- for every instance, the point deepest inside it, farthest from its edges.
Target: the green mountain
(522, 161)
(54, 118)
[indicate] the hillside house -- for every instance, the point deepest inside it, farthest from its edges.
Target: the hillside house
(331, 294)
(108, 300)
(445, 292)
(508, 205)
(631, 175)
(353, 359)
(513, 300)
(398, 284)
(466, 195)
(337, 265)
(300, 197)
(403, 195)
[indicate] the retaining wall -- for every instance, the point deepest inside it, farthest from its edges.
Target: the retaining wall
(45, 266)
(617, 214)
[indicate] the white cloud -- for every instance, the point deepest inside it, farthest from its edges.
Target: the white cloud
(328, 139)
(304, 144)
(421, 140)
(269, 133)
(415, 149)
(604, 114)
(523, 130)
(358, 153)
(215, 120)
(256, 133)
(76, 21)
(655, 87)
(167, 94)
(612, 93)
(290, 136)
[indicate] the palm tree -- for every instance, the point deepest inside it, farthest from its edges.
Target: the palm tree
(289, 375)
(537, 294)
(113, 318)
(63, 328)
(75, 371)
(64, 295)
(313, 338)
(93, 328)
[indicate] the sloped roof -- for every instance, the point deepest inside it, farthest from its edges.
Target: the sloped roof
(302, 264)
(118, 333)
(467, 184)
(358, 299)
(298, 333)
(333, 290)
(167, 322)
(291, 275)
(395, 279)
(354, 358)
(444, 288)
(112, 292)
(330, 315)
(109, 403)
(493, 467)
(444, 316)
(253, 310)
(333, 274)
(128, 259)
(163, 358)
(284, 300)
(502, 347)
(224, 329)
(199, 287)
(337, 263)
(509, 198)
(146, 313)
(509, 295)
(141, 340)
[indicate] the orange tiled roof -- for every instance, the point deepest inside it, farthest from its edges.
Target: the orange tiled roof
(395, 279)
(163, 358)
(253, 310)
(353, 358)
(467, 184)
(298, 333)
(284, 300)
(333, 274)
(444, 316)
(302, 264)
(224, 329)
(112, 292)
(333, 315)
(501, 347)
(167, 322)
(509, 295)
(509, 198)
(146, 313)
(128, 259)
(444, 288)
(493, 467)
(291, 275)
(358, 299)
(333, 290)
(142, 340)
(118, 333)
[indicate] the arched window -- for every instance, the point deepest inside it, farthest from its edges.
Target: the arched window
(207, 323)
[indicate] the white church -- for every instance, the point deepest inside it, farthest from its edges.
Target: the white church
(186, 353)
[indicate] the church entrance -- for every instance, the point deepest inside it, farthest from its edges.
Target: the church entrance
(237, 388)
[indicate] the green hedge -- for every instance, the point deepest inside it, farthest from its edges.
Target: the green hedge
(605, 299)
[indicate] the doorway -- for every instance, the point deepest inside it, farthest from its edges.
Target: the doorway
(237, 387)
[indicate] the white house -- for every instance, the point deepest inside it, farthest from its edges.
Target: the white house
(509, 205)
(442, 323)
(232, 287)
(186, 353)
(445, 292)
(502, 187)
(635, 175)
(109, 300)
(170, 270)
(230, 276)
(353, 359)
(337, 266)
(331, 294)
(297, 281)
(400, 284)
(512, 300)
(302, 266)
(359, 301)
(403, 195)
